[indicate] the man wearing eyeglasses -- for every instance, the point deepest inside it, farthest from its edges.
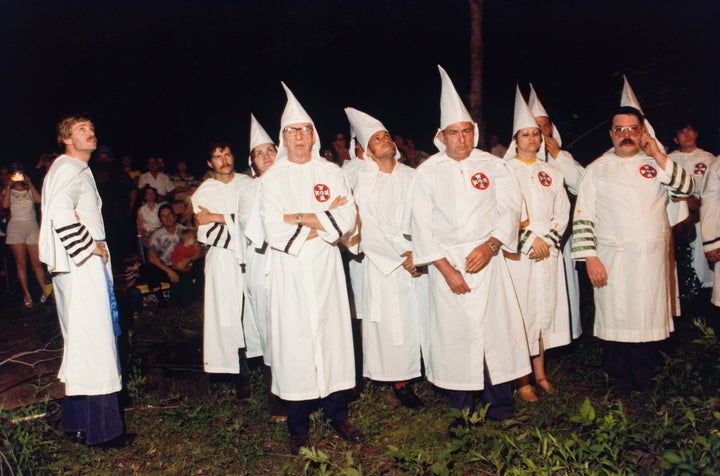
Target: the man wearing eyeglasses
(215, 203)
(306, 207)
(621, 231)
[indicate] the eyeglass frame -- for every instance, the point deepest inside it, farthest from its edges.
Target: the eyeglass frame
(619, 131)
(305, 130)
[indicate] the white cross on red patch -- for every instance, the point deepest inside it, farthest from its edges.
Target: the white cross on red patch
(544, 178)
(648, 171)
(700, 168)
(480, 181)
(322, 192)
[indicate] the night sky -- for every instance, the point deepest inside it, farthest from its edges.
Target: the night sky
(166, 77)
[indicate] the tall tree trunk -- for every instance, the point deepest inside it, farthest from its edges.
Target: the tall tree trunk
(476, 60)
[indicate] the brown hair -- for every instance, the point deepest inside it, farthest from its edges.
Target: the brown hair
(64, 126)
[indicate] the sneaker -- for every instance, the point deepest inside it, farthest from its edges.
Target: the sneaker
(408, 397)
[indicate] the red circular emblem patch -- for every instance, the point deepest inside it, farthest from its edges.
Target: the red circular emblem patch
(322, 192)
(648, 171)
(480, 181)
(544, 178)
(700, 168)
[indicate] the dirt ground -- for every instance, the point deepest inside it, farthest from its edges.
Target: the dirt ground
(166, 344)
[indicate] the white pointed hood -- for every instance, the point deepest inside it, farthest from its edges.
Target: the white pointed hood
(628, 98)
(452, 109)
(537, 110)
(364, 126)
(522, 119)
(294, 113)
(258, 136)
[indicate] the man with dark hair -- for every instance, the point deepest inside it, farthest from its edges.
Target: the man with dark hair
(696, 162)
(622, 232)
(229, 334)
(157, 179)
(72, 244)
(161, 245)
(466, 207)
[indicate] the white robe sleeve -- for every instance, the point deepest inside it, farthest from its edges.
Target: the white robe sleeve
(278, 234)
(710, 209)
(570, 169)
(583, 235)
(426, 247)
(67, 232)
(509, 208)
(678, 182)
(554, 230)
(340, 220)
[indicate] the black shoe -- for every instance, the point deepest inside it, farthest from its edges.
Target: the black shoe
(77, 437)
(408, 397)
(122, 441)
(348, 432)
(296, 442)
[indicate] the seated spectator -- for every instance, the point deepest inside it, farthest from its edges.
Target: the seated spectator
(126, 163)
(147, 215)
(185, 183)
(181, 259)
(161, 245)
(157, 179)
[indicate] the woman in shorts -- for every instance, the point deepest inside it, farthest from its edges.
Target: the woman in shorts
(20, 196)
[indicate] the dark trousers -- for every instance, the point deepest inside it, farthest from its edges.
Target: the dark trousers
(183, 292)
(333, 406)
(630, 365)
(498, 396)
(97, 415)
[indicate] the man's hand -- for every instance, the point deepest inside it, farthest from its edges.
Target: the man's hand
(205, 216)
(650, 146)
(552, 146)
(101, 250)
(452, 276)
(338, 202)
(174, 278)
(478, 258)
(409, 266)
(540, 249)
(713, 256)
(596, 271)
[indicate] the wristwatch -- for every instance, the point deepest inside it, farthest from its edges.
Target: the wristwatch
(298, 218)
(495, 248)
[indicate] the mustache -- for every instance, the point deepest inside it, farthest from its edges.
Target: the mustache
(627, 141)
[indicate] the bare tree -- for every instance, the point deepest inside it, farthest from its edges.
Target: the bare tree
(476, 61)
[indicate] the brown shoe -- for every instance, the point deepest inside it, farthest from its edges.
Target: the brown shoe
(348, 432)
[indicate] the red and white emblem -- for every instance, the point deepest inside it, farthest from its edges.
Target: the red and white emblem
(700, 168)
(480, 181)
(322, 192)
(544, 178)
(648, 171)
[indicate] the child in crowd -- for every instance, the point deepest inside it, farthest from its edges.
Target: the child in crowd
(128, 281)
(181, 259)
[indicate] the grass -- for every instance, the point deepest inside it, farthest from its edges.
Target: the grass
(187, 425)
